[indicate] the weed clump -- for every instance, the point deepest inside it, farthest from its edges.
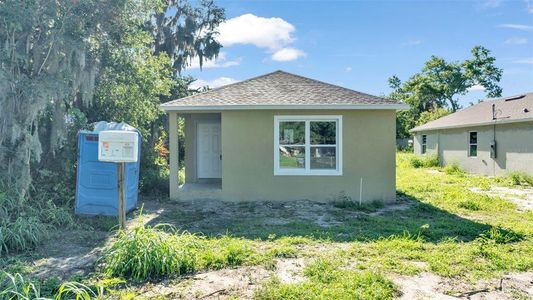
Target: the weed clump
(516, 178)
(469, 204)
(344, 201)
(454, 169)
(426, 161)
(15, 287)
(152, 252)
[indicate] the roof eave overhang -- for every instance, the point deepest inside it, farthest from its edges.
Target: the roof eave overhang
(399, 106)
(472, 125)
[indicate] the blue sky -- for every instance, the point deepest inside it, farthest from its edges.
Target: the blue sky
(360, 44)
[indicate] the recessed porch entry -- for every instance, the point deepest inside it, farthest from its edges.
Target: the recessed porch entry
(209, 150)
(202, 162)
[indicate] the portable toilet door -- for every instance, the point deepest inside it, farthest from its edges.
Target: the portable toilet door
(97, 182)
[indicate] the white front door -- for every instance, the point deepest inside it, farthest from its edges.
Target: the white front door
(209, 150)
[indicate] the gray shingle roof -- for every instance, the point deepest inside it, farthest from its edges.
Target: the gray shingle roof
(508, 110)
(279, 89)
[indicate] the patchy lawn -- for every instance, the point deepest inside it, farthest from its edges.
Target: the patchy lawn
(449, 235)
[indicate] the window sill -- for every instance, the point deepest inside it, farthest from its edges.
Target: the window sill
(308, 173)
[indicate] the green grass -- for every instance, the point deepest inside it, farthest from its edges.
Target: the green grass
(146, 252)
(327, 279)
(445, 229)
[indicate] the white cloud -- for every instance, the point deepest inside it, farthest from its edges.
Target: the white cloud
(287, 54)
(517, 26)
(527, 61)
(273, 34)
(476, 88)
(218, 82)
(516, 41)
(348, 69)
(220, 62)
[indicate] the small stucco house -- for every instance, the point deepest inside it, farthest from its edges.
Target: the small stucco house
(282, 136)
(492, 137)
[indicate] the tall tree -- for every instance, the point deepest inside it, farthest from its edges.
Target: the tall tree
(47, 60)
(185, 32)
(440, 83)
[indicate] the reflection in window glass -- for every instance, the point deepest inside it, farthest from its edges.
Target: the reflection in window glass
(323, 158)
(292, 133)
(323, 133)
(292, 157)
(473, 144)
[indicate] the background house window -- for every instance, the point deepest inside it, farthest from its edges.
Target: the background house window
(424, 143)
(307, 145)
(472, 143)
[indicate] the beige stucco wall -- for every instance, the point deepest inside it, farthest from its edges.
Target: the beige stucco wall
(248, 158)
(514, 147)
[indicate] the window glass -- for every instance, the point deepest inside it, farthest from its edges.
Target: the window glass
(473, 137)
(308, 145)
(472, 142)
(323, 158)
(323, 133)
(292, 132)
(473, 150)
(291, 157)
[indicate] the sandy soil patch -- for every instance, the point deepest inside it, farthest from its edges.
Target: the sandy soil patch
(522, 197)
(430, 286)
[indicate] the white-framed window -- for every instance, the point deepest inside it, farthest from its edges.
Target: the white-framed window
(472, 143)
(424, 143)
(308, 145)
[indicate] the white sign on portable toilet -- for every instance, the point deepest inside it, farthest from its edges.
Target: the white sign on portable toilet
(119, 147)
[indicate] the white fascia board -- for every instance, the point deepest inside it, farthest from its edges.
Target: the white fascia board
(400, 106)
(497, 122)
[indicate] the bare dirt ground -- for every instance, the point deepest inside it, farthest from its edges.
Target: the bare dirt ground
(522, 197)
(79, 251)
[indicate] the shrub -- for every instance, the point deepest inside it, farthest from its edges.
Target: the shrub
(454, 169)
(426, 161)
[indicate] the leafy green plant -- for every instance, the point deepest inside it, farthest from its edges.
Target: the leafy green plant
(516, 178)
(16, 287)
(501, 236)
(469, 204)
(425, 161)
(454, 169)
(147, 252)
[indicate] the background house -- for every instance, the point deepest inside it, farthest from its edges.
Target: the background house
(281, 136)
(491, 137)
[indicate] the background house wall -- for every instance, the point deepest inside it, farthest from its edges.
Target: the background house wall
(514, 149)
(248, 158)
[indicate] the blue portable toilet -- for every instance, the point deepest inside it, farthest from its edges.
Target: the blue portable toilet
(97, 182)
